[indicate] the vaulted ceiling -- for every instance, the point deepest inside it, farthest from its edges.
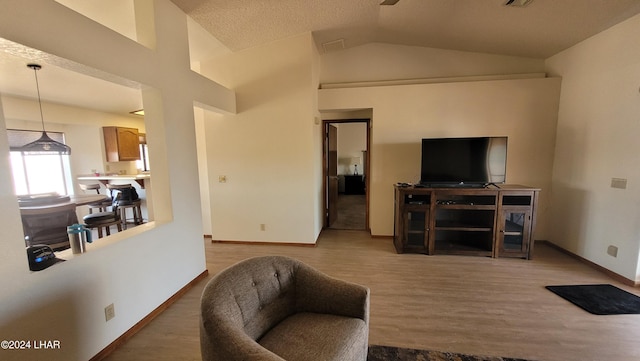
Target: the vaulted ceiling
(540, 29)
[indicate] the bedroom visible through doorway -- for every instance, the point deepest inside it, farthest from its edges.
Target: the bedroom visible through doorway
(346, 169)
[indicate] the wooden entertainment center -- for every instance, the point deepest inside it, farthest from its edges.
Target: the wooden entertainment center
(489, 221)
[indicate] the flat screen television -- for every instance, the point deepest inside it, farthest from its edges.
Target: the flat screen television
(471, 162)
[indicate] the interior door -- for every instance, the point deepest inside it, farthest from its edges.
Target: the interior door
(332, 174)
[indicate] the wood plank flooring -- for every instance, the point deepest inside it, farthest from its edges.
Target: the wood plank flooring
(352, 210)
(471, 305)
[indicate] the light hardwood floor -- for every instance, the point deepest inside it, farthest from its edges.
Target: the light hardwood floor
(352, 210)
(471, 305)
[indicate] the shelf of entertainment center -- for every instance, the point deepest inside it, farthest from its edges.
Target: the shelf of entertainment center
(465, 206)
(453, 248)
(465, 221)
(462, 227)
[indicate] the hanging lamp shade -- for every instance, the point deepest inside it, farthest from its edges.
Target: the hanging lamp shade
(44, 144)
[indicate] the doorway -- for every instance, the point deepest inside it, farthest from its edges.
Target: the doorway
(346, 169)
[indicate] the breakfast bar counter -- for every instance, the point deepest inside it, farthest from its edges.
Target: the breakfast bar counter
(106, 179)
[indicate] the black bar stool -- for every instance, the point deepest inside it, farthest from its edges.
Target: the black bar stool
(126, 199)
(100, 206)
(104, 220)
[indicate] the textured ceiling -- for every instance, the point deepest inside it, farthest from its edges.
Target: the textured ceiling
(64, 82)
(539, 30)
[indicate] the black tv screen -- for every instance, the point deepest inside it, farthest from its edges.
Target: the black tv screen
(463, 161)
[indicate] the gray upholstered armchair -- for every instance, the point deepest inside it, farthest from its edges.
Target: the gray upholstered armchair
(278, 308)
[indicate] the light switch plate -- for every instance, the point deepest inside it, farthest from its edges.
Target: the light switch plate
(109, 312)
(620, 183)
(612, 251)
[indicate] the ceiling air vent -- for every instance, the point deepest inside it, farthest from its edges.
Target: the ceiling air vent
(333, 45)
(518, 3)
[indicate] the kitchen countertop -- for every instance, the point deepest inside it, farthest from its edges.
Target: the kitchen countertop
(105, 178)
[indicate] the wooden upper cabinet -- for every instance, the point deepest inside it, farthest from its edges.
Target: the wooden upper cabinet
(121, 144)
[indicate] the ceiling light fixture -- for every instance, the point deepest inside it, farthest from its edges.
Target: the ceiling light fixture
(389, 2)
(44, 144)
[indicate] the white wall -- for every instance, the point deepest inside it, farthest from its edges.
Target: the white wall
(267, 151)
(598, 128)
(203, 171)
(524, 110)
(352, 140)
(317, 138)
(379, 61)
(70, 297)
(270, 152)
(116, 14)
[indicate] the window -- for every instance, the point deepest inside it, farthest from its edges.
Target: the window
(42, 173)
(143, 163)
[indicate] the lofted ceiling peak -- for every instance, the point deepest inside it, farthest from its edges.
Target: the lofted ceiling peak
(540, 29)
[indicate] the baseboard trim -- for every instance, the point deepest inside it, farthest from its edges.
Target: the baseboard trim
(618, 277)
(147, 319)
(379, 236)
(260, 243)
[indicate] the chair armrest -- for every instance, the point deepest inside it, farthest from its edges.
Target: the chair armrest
(320, 293)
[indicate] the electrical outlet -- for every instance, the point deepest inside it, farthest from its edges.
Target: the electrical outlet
(109, 312)
(263, 227)
(612, 251)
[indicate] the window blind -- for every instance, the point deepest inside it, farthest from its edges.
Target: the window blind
(19, 137)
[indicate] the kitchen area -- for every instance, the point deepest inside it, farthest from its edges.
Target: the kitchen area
(126, 163)
(122, 165)
(106, 149)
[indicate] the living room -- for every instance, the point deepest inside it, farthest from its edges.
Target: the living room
(569, 137)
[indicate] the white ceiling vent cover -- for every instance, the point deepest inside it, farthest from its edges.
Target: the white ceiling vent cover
(333, 45)
(518, 3)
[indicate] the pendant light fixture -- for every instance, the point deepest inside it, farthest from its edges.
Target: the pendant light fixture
(44, 145)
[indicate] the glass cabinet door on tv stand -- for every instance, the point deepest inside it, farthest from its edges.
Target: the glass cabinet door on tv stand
(412, 223)
(514, 227)
(416, 228)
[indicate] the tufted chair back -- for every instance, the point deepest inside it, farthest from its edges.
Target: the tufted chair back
(258, 297)
(247, 300)
(251, 297)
